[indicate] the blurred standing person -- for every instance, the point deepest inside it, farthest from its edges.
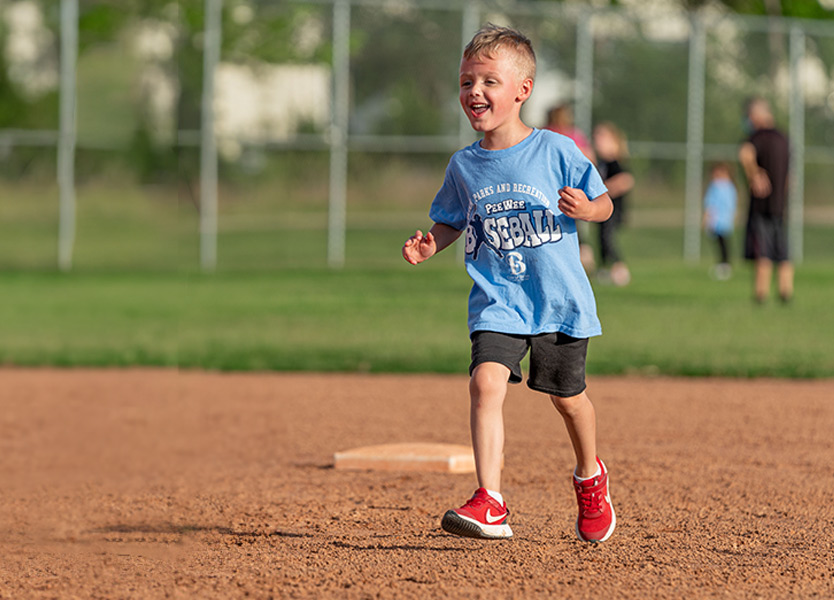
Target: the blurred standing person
(560, 120)
(719, 215)
(764, 157)
(611, 150)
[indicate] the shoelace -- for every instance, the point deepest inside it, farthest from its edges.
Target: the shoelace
(475, 501)
(590, 500)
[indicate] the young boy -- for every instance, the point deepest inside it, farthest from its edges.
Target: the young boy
(530, 290)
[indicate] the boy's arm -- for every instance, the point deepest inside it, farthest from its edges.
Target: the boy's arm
(418, 247)
(574, 203)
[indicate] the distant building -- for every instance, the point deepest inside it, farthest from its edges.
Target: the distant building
(268, 103)
(29, 49)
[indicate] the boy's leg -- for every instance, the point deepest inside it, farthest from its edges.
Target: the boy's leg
(484, 516)
(596, 520)
(580, 421)
(496, 361)
(487, 389)
(557, 368)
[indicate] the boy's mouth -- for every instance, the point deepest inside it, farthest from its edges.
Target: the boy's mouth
(478, 108)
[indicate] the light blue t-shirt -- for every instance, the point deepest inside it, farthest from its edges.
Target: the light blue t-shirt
(522, 253)
(720, 206)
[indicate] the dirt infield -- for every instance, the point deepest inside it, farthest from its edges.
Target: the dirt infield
(153, 484)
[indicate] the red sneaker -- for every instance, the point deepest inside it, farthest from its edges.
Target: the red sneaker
(480, 517)
(596, 519)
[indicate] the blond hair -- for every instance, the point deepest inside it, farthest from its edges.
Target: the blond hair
(492, 38)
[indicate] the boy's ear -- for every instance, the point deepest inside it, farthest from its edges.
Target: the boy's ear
(525, 88)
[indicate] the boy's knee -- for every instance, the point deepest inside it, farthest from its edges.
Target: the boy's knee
(488, 378)
(569, 405)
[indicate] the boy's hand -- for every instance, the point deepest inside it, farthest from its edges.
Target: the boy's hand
(418, 248)
(575, 204)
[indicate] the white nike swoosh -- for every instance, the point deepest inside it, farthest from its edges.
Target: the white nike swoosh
(491, 519)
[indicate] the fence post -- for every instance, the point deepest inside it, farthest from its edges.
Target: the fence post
(470, 22)
(584, 90)
(694, 141)
(208, 143)
(67, 134)
(339, 135)
(796, 193)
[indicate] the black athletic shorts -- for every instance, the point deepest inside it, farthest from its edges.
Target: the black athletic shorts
(557, 360)
(767, 237)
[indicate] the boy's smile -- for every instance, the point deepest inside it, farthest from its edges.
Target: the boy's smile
(491, 94)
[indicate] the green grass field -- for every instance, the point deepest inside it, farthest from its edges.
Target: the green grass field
(135, 295)
(380, 314)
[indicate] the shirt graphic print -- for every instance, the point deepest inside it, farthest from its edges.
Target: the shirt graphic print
(522, 253)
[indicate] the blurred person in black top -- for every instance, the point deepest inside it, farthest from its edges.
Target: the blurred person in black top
(764, 156)
(612, 149)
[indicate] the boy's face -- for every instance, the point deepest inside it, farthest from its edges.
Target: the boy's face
(492, 90)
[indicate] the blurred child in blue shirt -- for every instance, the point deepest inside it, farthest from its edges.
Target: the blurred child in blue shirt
(719, 215)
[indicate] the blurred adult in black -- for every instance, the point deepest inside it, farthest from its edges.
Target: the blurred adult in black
(764, 156)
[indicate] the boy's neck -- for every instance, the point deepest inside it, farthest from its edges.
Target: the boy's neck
(506, 137)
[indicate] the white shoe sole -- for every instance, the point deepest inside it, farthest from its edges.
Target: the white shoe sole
(464, 526)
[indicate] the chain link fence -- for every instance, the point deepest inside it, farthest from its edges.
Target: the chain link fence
(320, 129)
